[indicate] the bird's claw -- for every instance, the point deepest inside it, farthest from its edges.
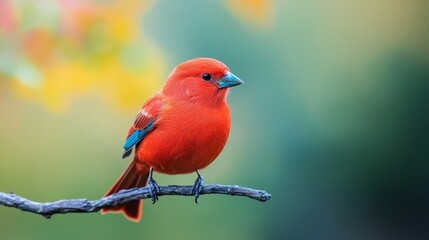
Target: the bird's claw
(154, 190)
(198, 187)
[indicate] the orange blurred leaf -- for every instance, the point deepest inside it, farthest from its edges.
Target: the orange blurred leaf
(256, 12)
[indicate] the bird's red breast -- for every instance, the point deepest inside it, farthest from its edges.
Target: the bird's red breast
(186, 140)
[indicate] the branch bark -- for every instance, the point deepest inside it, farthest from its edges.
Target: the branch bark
(86, 206)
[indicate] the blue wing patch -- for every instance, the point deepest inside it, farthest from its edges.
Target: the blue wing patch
(136, 137)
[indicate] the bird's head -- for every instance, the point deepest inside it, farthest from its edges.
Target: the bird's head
(203, 80)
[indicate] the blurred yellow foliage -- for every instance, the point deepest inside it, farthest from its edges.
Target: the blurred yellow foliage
(93, 47)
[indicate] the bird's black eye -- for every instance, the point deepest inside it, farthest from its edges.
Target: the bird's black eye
(207, 76)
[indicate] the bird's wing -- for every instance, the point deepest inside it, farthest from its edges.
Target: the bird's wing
(144, 123)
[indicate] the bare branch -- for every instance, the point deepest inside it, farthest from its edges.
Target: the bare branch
(85, 206)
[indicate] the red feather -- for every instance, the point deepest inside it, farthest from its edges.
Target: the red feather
(147, 113)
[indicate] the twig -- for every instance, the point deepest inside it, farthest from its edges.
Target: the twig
(85, 206)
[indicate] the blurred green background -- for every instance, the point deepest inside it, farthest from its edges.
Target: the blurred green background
(332, 121)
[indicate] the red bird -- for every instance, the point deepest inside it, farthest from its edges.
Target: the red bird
(180, 129)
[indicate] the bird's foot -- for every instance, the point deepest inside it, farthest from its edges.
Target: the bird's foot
(154, 190)
(198, 187)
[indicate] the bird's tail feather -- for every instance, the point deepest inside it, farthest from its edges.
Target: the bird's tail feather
(130, 178)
